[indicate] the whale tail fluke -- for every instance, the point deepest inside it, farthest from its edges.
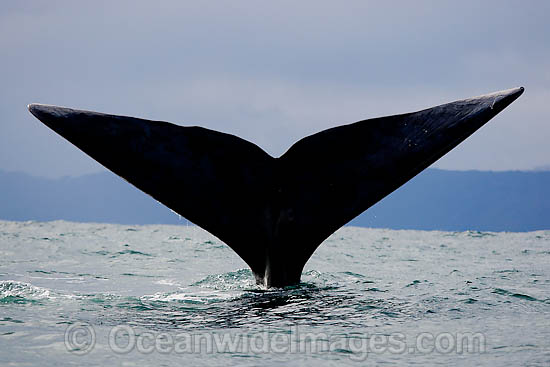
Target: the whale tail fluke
(274, 212)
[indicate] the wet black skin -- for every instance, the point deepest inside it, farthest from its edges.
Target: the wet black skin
(273, 212)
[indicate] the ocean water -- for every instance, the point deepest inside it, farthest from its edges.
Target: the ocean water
(104, 294)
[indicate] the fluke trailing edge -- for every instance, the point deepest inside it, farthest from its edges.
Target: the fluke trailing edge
(274, 212)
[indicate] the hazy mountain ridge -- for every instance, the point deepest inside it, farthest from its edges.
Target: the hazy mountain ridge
(435, 199)
(464, 200)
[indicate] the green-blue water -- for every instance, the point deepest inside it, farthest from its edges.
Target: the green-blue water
(102, 294)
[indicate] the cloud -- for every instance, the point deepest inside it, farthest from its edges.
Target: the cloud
(272, 72)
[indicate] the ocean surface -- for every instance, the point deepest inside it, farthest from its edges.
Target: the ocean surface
(104, 294)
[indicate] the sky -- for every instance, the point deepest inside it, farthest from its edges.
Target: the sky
(272, 72)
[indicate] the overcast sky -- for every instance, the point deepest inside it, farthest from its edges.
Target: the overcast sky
(272, 72)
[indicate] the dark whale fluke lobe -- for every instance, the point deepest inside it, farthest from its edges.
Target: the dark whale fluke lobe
(273, 212)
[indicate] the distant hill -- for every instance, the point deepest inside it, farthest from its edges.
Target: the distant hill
(466, 200)
(435, 199)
